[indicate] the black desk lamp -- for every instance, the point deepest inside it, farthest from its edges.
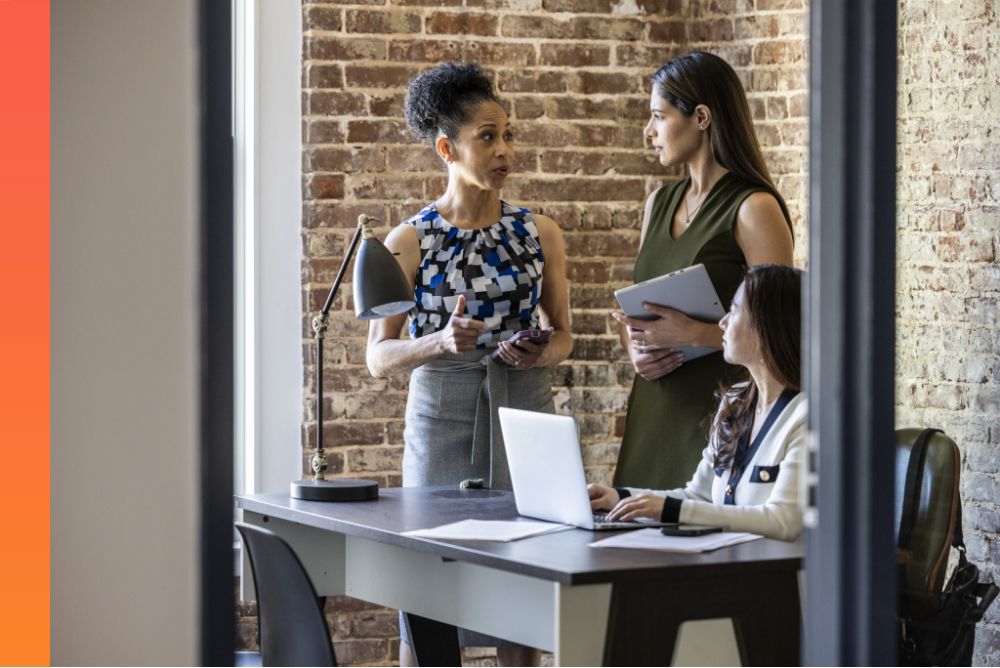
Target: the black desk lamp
(380, 291)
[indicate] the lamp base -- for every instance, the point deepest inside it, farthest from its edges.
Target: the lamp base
(338, 489)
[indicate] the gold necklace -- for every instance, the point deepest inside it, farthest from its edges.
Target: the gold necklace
(687, 213)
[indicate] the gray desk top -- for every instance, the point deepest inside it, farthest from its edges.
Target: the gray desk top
(561, 557)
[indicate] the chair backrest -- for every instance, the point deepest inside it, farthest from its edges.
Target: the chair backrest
(293, 629)
(934, 513)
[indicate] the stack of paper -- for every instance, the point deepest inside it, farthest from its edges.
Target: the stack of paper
(487, 530)
(652, 539)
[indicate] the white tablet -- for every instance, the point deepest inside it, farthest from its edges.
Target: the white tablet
(689, 291)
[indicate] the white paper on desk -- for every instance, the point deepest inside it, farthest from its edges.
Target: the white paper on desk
(496, 530)
(652, 539)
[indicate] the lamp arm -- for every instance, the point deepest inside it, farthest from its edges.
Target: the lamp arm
(340, 273)
(319, 325)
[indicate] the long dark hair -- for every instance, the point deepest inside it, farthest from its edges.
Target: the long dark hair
(772, 298)
(704, 78)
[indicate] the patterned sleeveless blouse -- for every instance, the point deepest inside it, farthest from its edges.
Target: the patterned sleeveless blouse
(498, 269)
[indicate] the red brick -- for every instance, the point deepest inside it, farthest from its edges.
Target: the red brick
(779, 52)
(424, 51)
(575, 55)
(798, 105)
(378, 76)
(324, 76)
(386, 186)
(324, 243)
(528, 107)
(777, 108)
(583, 108)
(588, 271)
(390, 104)
(361, 652)
(722, 7)
(597, 348)
(532, 81)
(384, 131)
(346, 159)
(494, 53)
(598, 163)
(669, 32)
(585, 322)
(580, 27)
(339, 103)
(616, 243)
(579, 6)
(363, 460)
(765, 5)
(375, 21)
(648, 57)
(600, 27)
(344, 48)
(322, 18)
(605, 83)
(756, 26)
(738, 55)
(322, 131)
(712, 30)
(329, 186)
(413, 159)
(340, 215)
(426, 3)
(461, 23)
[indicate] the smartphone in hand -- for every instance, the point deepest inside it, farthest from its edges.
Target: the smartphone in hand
(539, 336)
(688, 530)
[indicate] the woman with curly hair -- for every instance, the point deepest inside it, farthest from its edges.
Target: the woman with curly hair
(725, 214)
(749, 476)
(482, 271)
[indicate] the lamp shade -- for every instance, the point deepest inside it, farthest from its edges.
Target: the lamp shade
(380, 287)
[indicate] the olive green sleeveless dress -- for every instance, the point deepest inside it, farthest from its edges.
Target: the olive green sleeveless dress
(666, 429)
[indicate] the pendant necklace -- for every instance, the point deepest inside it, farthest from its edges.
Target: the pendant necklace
(687, 213)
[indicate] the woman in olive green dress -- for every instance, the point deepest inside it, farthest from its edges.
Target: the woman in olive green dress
(725, 214)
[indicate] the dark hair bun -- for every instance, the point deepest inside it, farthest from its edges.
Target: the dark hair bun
(438, 99)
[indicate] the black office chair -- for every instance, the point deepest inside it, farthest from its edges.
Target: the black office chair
(935, 513)
(293, 630)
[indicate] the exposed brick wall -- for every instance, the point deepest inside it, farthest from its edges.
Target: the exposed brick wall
(948, 277)
(574, 73)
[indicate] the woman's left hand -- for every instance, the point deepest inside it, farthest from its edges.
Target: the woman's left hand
(634, 507)
(522, 356)
(671, 329)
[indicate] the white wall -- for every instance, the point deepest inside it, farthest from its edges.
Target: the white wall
(124, 324)
(279, 248)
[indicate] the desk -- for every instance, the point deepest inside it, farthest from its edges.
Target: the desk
(588, 606)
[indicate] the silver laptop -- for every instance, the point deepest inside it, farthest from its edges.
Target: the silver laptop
(546, 471)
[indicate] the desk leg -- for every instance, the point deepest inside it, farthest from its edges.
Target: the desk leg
(645, 617)
(581, 617)
(433, 643)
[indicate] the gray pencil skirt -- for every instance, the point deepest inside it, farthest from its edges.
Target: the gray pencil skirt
(452, 432)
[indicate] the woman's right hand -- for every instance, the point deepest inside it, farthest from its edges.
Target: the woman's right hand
(653, 364)
(602, 497)
(461, 332)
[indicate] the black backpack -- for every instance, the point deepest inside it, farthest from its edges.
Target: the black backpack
(941, 630)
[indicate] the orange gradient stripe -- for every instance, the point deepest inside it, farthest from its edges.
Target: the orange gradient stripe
(24, 334)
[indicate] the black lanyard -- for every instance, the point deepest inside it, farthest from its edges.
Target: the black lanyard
(745, 450)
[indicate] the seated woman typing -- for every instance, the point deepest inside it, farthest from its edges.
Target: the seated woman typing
(749, 475)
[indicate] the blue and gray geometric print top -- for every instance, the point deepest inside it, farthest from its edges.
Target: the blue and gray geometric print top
(498, 269)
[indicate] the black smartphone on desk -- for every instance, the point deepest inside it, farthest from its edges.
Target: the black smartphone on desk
(689, 530)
